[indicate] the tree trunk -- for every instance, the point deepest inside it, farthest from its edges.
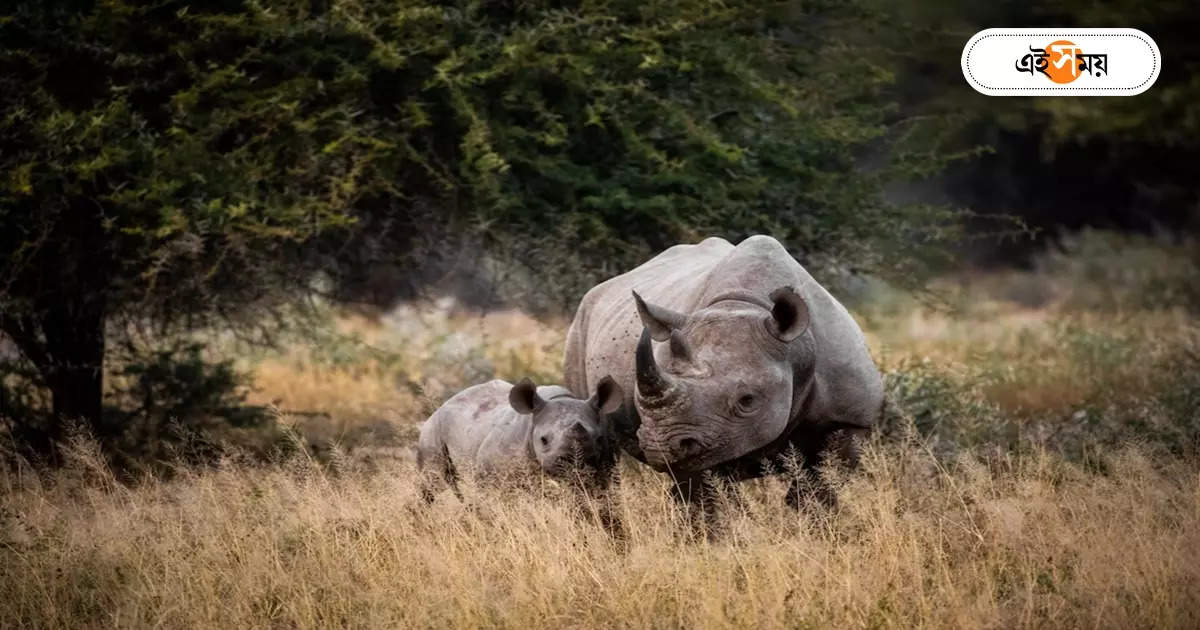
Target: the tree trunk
(74, 336)
(65, 343)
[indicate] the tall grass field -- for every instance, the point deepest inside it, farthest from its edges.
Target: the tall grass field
(1036, 467)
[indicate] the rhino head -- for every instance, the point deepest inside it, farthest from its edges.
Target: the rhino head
(721, 386)
(569, 433)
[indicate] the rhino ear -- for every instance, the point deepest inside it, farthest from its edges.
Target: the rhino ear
(661, 321)
(789, 314)
(524, 397)
(608, 396)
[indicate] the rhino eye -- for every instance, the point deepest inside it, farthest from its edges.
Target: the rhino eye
(746, 403)
(545, 441)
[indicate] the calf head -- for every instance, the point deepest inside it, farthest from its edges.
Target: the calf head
(721, 384)
(569, 433)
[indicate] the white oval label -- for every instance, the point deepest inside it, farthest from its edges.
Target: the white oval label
(1061, 61)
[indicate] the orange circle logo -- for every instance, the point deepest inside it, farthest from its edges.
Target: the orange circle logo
(1063, 58)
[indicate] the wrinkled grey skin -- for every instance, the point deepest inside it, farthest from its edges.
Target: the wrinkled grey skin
(729, 357)
(498, 428)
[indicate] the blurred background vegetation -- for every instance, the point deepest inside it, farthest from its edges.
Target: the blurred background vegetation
(231, 222)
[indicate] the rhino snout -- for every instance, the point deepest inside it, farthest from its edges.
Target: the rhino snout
(672, 451)
(578, 449)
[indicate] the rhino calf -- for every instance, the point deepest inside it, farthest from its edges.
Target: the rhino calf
(497, 428)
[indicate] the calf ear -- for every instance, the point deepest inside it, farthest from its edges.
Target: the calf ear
(789, 314)
(524, 397)
(608, 396)
(661, 321)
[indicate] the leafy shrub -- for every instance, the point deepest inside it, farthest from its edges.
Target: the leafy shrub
(176, 401)
(1109, 356)
(951, 416)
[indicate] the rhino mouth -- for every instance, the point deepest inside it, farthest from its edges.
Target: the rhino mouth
(684, 454)
(662, 466)
(661, 463)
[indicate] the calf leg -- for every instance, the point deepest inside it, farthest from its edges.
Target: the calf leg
(437, 471)
(598, 503)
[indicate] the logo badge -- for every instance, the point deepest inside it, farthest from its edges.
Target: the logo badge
(1061, 62)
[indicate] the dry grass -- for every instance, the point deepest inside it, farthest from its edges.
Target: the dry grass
(959, 517)
(1050, 359)
(373, 376)
(1025, 541)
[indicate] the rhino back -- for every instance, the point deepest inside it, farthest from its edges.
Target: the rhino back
(478, 428)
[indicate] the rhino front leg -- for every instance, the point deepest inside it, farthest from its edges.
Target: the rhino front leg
(807, 487)
(703, 498)
(841, 447)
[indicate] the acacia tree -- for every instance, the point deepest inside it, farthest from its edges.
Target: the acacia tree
(182, 163)
(591, 134)
(152, 175)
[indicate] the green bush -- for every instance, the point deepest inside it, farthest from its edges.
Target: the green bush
(175, 401)
(1121, 386)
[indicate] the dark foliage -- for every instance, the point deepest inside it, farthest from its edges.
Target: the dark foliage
(1064, 163)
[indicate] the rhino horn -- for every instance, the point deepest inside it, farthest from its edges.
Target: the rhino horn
(661, 321)
(679, 346)
(652, 383)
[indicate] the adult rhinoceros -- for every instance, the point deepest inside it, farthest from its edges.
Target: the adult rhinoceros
(754, 357)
